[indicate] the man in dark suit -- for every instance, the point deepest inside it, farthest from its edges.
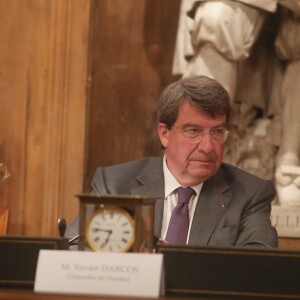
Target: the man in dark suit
(227, 207)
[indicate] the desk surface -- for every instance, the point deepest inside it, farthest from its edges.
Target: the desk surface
(18, 294)
(8, 294)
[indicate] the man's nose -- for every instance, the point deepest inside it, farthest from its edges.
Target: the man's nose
(206, 144)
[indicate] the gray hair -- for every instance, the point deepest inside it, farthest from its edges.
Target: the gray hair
(201, 91)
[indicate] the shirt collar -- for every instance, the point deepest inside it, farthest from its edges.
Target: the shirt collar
(171, 182)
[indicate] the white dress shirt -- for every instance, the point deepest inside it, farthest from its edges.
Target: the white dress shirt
(171, 199)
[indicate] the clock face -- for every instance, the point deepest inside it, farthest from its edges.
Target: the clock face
(110, 230)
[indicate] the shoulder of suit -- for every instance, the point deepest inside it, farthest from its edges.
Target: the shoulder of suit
(134, 164)
(238, 173)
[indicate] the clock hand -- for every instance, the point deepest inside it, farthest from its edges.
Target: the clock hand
(107, 238)
(103, 230)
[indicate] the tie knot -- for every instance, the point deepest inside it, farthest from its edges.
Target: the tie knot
(185, 194)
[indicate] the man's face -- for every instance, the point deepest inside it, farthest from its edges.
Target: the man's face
(192, 163)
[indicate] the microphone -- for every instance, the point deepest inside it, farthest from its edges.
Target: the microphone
(62, 226)
(72, 240)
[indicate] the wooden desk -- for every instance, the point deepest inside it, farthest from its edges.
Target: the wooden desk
(289, 243)
(13, 294)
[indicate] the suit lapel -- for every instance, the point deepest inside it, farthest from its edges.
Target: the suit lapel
(210, 208)
(151, 181)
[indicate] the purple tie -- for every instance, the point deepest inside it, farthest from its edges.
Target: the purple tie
(180, 220)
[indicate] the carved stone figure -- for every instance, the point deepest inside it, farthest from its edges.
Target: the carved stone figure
(287, 44)
(215, 38)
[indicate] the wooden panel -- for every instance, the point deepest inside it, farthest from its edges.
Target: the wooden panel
(44, 97)
(43, 62)
(131, 51)
(13, 65)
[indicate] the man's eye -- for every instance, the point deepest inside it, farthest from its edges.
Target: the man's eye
(218, 131)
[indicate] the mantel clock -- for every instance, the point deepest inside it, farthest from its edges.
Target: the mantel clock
(116, 223)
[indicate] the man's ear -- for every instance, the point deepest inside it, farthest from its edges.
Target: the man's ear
(163, 134)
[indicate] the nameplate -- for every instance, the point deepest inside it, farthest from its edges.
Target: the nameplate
(114, 274)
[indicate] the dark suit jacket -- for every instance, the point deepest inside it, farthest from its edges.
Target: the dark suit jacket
(233, 208)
